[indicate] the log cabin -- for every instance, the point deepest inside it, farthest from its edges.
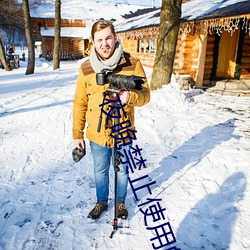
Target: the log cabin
(213, 41)
(74, 37)
(77, 19)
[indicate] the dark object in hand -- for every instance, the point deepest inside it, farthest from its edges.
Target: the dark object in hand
(78, 153)
(122, 82)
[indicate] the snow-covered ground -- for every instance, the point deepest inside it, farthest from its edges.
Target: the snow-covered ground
(197, 150)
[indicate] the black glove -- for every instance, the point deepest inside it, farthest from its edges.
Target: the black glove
(78, 153)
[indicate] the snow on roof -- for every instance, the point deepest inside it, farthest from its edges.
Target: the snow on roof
(85, 10)
(79, 32)
(192, 10)
(198, 9)
(145, 20)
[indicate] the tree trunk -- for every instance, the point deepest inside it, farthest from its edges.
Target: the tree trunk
(3, 57)
(28, 33)
(168, 34)
(56, 59)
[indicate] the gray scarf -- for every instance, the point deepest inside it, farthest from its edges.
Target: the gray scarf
(98, 64)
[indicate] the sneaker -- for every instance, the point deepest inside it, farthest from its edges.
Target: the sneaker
(97, 210)
(122, 211)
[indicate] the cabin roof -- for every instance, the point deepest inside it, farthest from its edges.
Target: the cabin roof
(85, 10)
(208, 9)
(140, 21)
(193, 10)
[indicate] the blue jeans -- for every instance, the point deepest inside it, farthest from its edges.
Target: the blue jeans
(103, 157)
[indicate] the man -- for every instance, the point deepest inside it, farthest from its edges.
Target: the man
(107, 54)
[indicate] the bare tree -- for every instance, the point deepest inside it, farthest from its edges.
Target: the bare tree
(11, 24)
(168, 34)
(11, 16)
(3, 57)
(28, 33)
(56, 59)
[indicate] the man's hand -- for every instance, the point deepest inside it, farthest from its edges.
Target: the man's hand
(124, 96)
(79, 151)
(79, 143)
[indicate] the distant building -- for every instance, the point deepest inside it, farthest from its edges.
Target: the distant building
(75, 36)
(77, 19)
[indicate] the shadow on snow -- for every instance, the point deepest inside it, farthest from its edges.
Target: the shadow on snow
(22, 110)
(209, 225)
(192, 152)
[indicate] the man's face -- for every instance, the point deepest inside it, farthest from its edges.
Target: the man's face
(104, 42)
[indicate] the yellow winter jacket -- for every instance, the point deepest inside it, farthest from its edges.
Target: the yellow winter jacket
(89, 95)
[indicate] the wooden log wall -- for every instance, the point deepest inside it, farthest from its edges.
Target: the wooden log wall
(79, 46)
(146, 59)
(50, 22)
(190, 56)
(131, 46)
(66, 44)
(47, 45)
(185, 59)
(186, 55)
(73, 45)
(178, 61)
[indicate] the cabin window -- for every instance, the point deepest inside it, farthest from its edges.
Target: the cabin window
(146, 45)
(140, 45)
(152, 45)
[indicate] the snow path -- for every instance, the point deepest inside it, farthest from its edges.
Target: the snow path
(197, 150)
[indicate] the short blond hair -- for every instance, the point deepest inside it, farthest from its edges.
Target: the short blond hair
(100, 25)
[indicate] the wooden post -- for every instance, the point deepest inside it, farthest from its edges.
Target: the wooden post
(201, 60)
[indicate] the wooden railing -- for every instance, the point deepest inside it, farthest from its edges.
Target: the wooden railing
(63, 55)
